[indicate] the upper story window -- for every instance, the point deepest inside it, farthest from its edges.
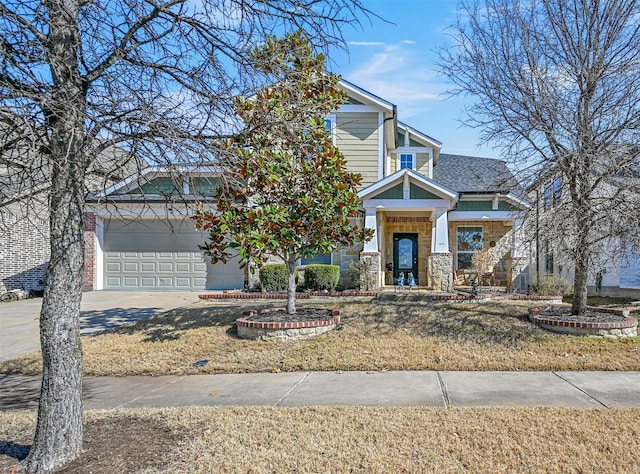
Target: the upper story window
(407, 160)
(557, 189)
(330, 126)
(552, 193)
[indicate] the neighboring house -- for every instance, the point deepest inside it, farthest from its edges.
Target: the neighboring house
(24, 217)
(615, 268)
(429, 211)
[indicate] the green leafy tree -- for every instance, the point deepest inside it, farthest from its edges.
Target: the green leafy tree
(288, 192)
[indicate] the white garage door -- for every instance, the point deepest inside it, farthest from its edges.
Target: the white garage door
(161, 255)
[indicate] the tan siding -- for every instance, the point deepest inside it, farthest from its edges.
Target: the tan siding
(394, 163)
(422, 164)
(357, 139)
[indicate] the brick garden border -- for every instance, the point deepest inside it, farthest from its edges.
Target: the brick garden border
(286, 330)
(613, 329)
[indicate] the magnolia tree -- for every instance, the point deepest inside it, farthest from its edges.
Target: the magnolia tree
(287, 191)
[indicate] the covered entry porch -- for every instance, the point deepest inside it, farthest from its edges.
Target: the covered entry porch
(408, 215)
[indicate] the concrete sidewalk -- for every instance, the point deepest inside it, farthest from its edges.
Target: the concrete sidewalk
(405, 388)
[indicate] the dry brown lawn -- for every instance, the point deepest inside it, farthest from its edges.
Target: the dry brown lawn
(363, 440)
(372, 336)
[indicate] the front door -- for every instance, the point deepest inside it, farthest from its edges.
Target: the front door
(405, 254)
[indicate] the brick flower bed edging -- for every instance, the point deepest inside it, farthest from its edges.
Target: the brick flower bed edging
(226, 295)
(287, 330)
(613, 329)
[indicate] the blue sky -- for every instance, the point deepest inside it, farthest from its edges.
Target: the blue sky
(397, 62)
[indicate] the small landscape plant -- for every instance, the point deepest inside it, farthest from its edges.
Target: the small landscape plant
(363, 273)
(551, 285)
(274, 277)
(319, 277)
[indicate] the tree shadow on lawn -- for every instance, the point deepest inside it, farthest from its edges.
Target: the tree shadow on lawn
(14, 450)
(171, 325)
(94, 322)
(494, 323)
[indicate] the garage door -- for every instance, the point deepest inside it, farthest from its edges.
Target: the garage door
(161, 255)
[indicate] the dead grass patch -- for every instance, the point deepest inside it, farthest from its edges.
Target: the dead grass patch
(349, 439)
(371, 336)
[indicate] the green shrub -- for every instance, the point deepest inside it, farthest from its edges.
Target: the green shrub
(275, 277)
(321, 277)
(363, 273)
(552, 286)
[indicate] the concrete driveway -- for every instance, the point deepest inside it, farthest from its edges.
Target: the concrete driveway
(19, 327)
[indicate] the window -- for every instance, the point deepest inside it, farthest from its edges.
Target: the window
(548, 197)
(321, 258)
(469, 240)
(330, 126)
(548, 259)
(552, 193)
(557, 189)
(630, 269)
(406, 160)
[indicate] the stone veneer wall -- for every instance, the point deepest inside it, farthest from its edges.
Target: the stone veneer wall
(24, 251)
(441, 271)
(498, 232)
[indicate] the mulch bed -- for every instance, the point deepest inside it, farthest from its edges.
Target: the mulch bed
(556, 313)
(120, 444)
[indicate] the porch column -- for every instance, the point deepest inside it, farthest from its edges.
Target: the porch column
(99, 253)
(371, 222)
(440, 233)
(441, 259)
(370, 250)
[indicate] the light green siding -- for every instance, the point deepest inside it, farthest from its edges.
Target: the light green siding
(506, 206)
(202, 186)
(357, 139)
(474, 206)
(416, 192)
(484, 206)
(391, 193)
(161, 185)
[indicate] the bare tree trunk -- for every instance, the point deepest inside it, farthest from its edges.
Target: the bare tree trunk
(291, 287)
(58, 438)
(579, 305)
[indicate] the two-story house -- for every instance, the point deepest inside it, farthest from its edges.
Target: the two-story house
(430, 212)
(614, 267)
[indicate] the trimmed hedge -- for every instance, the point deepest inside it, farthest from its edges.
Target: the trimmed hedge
(275, 277)
(318, 277)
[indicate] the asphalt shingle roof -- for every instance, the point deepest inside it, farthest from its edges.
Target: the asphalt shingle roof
(470, 174)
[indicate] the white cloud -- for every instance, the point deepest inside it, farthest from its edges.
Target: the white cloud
(402, 76)
(365, 43)
(409, 42)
